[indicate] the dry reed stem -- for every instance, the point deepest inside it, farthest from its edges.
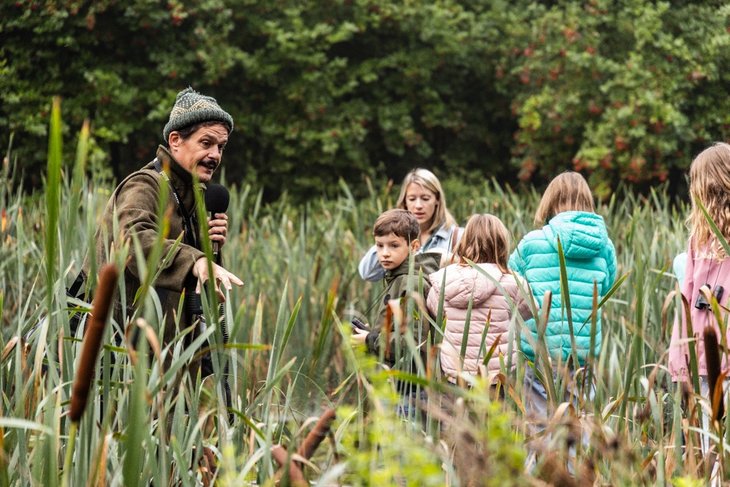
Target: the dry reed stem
(690, 421)
(97, 477)
(207, 467)
(645, 413)
(432, 357)
(152, 341)
(92, 340)
(9, 347)
(665, 310)
(547, 303)
(334, 286)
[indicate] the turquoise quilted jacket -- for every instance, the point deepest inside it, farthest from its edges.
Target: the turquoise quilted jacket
(589, 256)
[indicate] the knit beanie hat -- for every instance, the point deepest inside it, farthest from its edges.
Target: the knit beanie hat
(190, 108)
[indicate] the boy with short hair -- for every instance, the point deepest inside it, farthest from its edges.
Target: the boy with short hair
(396, 235)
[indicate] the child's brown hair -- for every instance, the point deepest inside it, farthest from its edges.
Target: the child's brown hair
(568, 191)
(709, 184)
(485, 240)
(401, 223)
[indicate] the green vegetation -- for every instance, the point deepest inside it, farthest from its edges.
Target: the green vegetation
(331, 99)
(625, 91)
(290, 358)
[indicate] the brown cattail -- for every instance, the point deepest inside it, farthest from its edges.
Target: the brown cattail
(318, 433)
(388, 326)
(281, 457)
(712, 360)
(586, 474)
(92, 340)
(305, 451)
(553, 471)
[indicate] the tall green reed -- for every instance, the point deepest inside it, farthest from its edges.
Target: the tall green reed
(289, 355)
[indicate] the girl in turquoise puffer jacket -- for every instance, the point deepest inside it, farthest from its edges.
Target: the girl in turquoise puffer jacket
(567, 214)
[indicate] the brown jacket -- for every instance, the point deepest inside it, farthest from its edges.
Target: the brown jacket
(134, 204)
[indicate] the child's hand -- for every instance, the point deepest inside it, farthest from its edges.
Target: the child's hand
(358, 337)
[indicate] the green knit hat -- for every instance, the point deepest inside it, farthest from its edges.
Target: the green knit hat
(190, 108)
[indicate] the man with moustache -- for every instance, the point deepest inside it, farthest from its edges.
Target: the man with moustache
(195, 136)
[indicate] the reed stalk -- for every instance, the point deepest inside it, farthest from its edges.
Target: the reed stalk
(288, 357)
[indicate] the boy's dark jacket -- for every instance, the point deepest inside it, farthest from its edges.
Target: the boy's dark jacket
(396, 286)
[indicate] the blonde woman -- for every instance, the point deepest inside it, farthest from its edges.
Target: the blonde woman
(474, 295)
(422, 195)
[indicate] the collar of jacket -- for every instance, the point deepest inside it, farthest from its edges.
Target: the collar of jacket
(442, 234)
(180, 178)
(422, 261)
(401, 269)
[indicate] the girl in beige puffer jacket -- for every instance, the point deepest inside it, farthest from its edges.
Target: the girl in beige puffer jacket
(479, 300)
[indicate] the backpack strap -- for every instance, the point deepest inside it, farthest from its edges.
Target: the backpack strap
(188, 224)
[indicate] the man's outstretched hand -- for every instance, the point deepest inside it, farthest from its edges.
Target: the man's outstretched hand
(220, 275)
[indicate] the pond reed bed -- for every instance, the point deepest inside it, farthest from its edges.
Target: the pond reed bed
(290, 361)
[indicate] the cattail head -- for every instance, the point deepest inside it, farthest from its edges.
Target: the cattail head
(388, 327)
(714, 369)
(586, 473)
(287, 467)
(318, 433)
(554, 472)
(92, 340)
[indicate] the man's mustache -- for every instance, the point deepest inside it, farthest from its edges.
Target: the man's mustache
(209, 163)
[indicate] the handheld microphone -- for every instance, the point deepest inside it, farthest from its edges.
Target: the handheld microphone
(216, 201)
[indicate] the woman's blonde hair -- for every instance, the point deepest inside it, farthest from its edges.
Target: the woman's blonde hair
(568, 191)
(709, 184)
(429, 181)
(485, 240)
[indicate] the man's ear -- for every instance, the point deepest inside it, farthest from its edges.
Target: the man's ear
(174, 139)
(415, 245)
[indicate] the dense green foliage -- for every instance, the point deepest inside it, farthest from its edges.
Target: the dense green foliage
(627, 91)
(622, 90)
